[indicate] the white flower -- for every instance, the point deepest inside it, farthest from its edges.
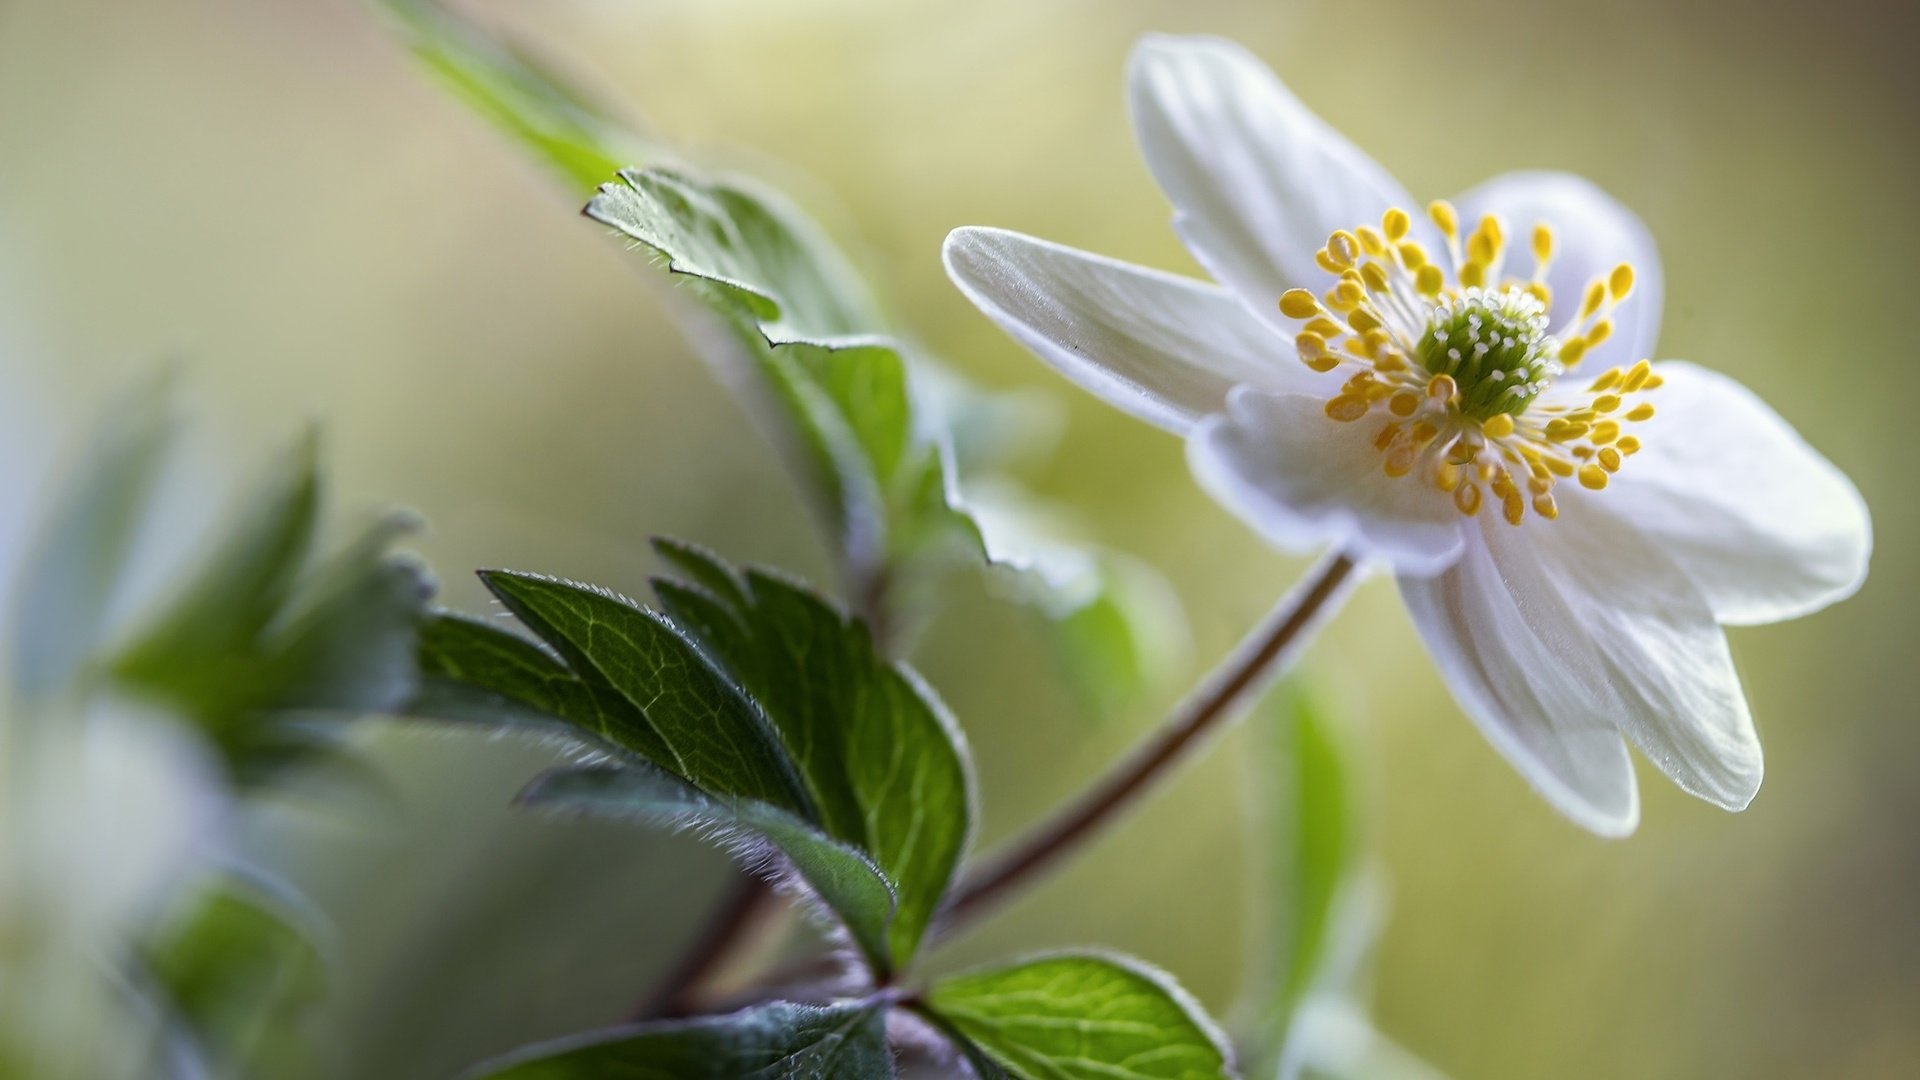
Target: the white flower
(1422, 394)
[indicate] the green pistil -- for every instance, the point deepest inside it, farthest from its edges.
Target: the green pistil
(1494, 345)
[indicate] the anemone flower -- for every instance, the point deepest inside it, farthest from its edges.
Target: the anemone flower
(1463, 396)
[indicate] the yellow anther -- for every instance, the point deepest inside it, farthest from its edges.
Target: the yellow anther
(1412, 255)
(1642, 411)
(1344, 248)
(1499, 427)
(1559, 466)
(1654, 382)
(1400, 460)
(1379, 392)
(1347, 407)
(1572, 351)
(1514, 506)
(1601, 331)
(1442, 387)
(1609, 459)
(1391, 361)
(1539, 291)
(1325, 259)
(1605, 381)
(1389, 431)
(1593, 477)
(1429, 280)
(1350, 294)
(1298, 304)
(1544, 505)
(1568, 433)
(1325, 327)
(1404, 403)
(1543, 243)
(1620, 282)
(1362, 320)
(1375, 276)
(1310, 345)
(1466, 499)
(1605, 432)
(1447, 476)
(1371, 241)
(1481, 247)
(1443, 215)
(1628, 445)
(1323, 363)
(1606, 403)
(1636, 377)
(1423, 433)
(1395, 223)
(1596, 295)
(1473, 275)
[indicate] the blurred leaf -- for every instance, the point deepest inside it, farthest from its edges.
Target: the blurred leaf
(1309, 1016)
(76, 568)
(1083, 1017)
(243, 974)
(256, 633)
(881, 756)
(846, 881)
(1114, 622)
(776, 1041)
(528, 100)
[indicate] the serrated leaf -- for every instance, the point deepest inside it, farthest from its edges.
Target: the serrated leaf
(652, 692)
(240, 969)
(75, 570)
(875, 425)
(528, 100)
(776, 1041)
(257, 636)
(845, 880)
(203, 642)
(1083, 1017)
(878, 751)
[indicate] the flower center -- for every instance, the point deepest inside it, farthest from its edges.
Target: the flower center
(1453, 367)
(1495, 347)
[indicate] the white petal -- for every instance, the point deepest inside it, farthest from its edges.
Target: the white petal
(1302, 480)
(1766, 527)
(1557, 637)
(1593, 233)
(1163, 348)
(1257, 182)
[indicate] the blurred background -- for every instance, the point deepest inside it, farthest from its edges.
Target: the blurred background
(269, 190)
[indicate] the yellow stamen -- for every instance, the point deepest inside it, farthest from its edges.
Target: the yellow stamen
(1298, 304)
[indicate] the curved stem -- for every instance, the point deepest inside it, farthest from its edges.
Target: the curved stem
(1261, 655)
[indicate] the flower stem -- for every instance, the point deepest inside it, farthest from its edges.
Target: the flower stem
(1264, 653)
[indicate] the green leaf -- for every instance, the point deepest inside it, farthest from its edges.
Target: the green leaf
(76, 568)
(1083, 1017)
(880, 755)
(257, 635)
(651, 691)
(1318, 837)
(200, 646)
(873, 424)
(776, 1041)
(473, 671)
(240, 969)
(530, 101)
(845, 880)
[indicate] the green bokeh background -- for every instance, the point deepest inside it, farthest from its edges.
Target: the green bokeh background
(271, 191)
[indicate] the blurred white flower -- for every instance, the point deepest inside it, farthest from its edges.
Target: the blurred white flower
(1402, 385)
